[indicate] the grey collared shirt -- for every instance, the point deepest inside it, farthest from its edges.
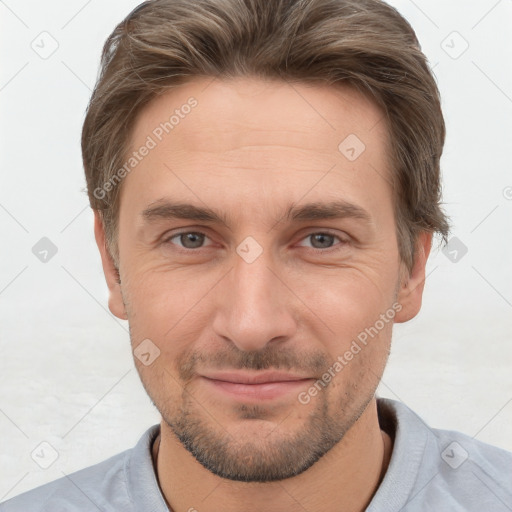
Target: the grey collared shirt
(430, 470)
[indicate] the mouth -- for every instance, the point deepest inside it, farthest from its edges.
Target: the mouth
(255, 386)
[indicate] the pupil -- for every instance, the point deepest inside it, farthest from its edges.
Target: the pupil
(189, 237)
(321, 236)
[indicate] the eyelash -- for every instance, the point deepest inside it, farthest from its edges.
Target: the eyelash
(342, 243)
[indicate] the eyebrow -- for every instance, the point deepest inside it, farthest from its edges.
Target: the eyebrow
(164, 209)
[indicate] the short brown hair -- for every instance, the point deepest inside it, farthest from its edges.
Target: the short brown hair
(364, 43)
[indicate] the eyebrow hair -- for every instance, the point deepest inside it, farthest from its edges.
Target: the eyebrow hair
(164, 209)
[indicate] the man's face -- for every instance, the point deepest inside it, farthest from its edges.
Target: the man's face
(261, 290)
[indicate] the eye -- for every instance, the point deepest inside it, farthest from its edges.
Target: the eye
(189, 239)
(322, 241)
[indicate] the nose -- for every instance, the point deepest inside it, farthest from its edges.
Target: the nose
(255, 305)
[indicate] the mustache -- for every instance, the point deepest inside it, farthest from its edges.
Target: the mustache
(271, 357)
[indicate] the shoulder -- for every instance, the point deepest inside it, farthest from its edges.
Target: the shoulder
(432, 468)
(476, 474)
(85, 489)
(104, 486)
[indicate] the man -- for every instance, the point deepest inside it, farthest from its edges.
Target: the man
(266, 186)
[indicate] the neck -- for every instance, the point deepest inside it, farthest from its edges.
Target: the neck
(346, 478)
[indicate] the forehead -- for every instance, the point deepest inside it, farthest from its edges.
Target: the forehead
(248, 134)
(244, 111)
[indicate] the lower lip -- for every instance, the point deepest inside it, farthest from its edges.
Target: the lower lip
(263, 391)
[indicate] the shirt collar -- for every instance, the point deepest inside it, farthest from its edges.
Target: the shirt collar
(412, 439)
(143, 489)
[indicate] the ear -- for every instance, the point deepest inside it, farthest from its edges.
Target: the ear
(115, 300)
(411, 288)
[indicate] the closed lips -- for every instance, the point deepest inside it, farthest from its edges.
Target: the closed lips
(254, 378)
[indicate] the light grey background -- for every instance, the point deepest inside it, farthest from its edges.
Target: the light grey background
(67, 373)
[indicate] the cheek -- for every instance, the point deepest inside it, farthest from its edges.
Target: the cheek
(354, 325)
(167, 307)
(359, 361)
(345, 300)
